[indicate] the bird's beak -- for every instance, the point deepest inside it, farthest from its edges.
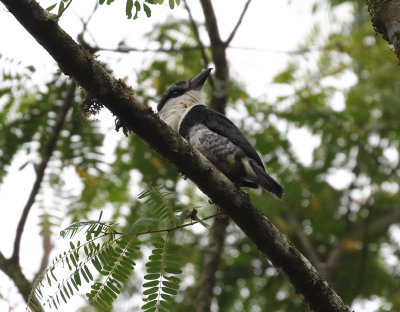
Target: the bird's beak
(197, 82)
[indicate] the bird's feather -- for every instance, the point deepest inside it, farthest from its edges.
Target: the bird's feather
(266, 181)
(219, 124)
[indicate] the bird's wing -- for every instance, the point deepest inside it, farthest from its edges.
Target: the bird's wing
(218, 123)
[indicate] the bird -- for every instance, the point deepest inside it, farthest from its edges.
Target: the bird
(183, 108)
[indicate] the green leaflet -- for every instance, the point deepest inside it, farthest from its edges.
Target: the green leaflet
(117, 267)
(163, 283)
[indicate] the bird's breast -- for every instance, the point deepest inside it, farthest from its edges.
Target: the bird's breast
(175, 109)
(174, 115)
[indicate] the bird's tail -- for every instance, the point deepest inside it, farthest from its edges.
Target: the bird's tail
(266, 182)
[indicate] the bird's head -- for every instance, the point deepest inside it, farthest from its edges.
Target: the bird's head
(181, 88)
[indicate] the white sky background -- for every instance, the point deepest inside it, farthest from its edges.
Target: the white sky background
(272, 26)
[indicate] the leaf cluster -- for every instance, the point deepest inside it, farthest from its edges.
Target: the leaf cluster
(112, 254)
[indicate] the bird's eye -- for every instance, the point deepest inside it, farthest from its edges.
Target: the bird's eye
(175, 93)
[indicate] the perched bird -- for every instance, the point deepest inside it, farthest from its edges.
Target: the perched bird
(184, 109)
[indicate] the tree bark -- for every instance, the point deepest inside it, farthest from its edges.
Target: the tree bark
(218, 50)
(212, 259)
(385, 16)
(11, 266)
(13, 271)
(51, 145)
(118, 98)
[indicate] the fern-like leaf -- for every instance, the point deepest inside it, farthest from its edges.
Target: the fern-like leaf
(163, 205)
(162, 284)
(93, 228)
(112, 254)
(71, 260)
(117, 265)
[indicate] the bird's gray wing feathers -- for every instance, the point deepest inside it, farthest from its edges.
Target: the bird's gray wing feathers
(266, 181)
(218, 123)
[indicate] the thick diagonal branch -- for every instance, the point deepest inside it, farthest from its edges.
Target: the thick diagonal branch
(118, 98)
(385, 16)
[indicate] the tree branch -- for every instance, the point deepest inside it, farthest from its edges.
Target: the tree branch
(133, 49)
(198, 39)
(118, 98)
(14, 272)
(47, 248)
(41, 169)
(212, 259)
(191, 48)
(385, 18)
(220, 92)
(65, 8)
(228, 41)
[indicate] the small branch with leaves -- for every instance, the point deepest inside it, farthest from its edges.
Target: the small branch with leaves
(112, 254)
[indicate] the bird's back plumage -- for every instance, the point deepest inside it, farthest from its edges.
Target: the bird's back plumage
(224, 145)
(220, 124)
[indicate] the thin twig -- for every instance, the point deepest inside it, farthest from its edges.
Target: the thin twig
(47, 248)
(200, 43)
(41, 169)
(196, 33)
(85, 30)
(228, 41)
(132, 49)
(85, 23)
(191, 48)
(65, 8)
(290, 52)
(178, 226)
(174, 227)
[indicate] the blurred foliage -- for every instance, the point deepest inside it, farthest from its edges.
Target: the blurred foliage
(145, 5)
(344, 95)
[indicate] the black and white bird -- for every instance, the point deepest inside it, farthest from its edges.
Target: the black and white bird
(184, 109)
